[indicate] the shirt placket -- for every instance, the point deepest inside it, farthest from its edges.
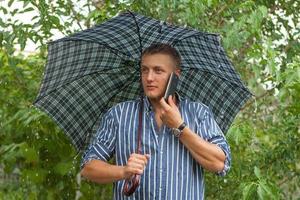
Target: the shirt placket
(159, 136)
(161, 175)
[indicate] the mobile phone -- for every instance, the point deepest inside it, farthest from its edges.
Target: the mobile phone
(171, 86)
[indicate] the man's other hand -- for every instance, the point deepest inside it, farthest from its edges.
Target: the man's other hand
(135, 165)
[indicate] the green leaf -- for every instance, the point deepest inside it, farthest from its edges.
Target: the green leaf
(55, 20)
(35, 17)
(25, 3)
(27, 10)
(1, 41)
(22, 40)
(248, 191)
(263, 10)
(36, 175)
(261, 193)
(14, 12)
(30, 154)
(4, 10)
(63, 168)
(265, 191)
(32, 118)
(3, 25)
(10, 147)
(10, 3)
(257, 172)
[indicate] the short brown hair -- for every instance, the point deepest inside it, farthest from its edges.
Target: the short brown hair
(164, 49)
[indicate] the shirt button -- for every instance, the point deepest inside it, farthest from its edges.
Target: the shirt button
(161, 152)
(160, 188)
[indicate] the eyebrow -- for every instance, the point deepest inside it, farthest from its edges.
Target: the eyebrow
(156, 66)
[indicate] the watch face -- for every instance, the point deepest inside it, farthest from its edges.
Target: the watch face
(176, 132)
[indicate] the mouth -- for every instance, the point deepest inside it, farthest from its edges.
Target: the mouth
(151, 87)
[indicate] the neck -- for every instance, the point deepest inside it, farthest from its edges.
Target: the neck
(155, 104)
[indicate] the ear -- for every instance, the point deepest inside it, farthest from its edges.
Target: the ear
(177, 71)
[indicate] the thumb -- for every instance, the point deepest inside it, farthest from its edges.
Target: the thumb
(147, 156)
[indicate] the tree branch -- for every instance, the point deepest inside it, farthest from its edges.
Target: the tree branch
(75, 14)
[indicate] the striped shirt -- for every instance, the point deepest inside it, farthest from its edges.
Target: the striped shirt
(171, 172)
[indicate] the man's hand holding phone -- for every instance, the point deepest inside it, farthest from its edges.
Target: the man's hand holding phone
(170, 114)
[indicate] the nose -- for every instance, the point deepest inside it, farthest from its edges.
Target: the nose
(149, 76)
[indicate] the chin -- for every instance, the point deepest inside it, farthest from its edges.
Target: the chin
(154, 96)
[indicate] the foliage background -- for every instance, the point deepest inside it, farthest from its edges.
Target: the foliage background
(261, 38)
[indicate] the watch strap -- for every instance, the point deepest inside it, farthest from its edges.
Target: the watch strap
(182, 126)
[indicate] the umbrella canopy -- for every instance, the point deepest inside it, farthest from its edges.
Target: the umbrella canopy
(90, 71)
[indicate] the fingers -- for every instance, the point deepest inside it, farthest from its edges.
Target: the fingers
(163, 103)
(168, 105)
(137, 159)
(171, 101)
(136, 164)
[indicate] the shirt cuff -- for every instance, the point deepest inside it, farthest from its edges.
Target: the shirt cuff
(221, 142)
(227, 162)
(96, 151)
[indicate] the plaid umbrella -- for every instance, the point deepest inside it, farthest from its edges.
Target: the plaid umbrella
(90, 71)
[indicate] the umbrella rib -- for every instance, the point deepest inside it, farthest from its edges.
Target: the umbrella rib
(106, 105)
(174, 43)
(192, 35)
(138, 33)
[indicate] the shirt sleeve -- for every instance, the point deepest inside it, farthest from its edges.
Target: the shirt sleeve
(103, 145)
(213, 134)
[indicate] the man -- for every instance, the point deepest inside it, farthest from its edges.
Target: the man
(179, 139)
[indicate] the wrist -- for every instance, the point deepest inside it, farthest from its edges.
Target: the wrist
(119, 172)
(179, 130)
(178, 124)
(182, 126)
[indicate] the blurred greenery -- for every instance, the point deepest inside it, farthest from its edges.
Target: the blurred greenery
(260, 37)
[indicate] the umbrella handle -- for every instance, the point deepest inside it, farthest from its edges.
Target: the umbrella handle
(131, 185)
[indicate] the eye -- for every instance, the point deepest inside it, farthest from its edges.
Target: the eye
(158, 70)
(144, 70)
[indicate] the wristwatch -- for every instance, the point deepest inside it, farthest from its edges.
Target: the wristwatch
(178, 131)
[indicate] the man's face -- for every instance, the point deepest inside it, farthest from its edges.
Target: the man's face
(155, 70)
